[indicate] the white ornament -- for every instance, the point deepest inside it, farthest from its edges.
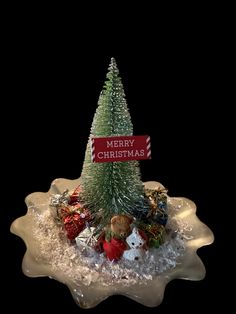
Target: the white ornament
(135, 242)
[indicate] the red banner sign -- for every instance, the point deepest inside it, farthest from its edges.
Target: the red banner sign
(120, 148)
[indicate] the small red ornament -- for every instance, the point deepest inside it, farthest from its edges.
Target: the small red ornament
(74, 197)
(114, 249)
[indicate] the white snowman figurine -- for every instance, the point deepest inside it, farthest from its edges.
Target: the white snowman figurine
(136, 243)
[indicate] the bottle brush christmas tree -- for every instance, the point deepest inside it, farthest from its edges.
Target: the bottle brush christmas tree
(108, 232)
(112, 188)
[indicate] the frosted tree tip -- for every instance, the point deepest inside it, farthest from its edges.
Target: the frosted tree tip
(113, 64)
(113, 61)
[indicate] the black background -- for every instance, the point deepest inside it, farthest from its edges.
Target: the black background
(171, 71)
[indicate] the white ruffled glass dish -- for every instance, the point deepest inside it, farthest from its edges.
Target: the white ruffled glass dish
(92, 278)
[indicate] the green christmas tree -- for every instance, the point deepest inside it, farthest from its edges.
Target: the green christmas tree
(112, 188)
